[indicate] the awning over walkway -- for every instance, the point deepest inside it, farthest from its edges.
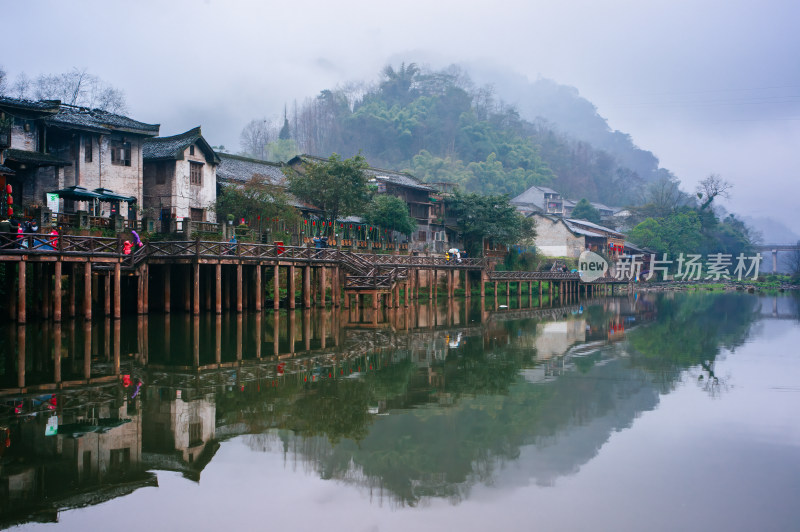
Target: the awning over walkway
(76, 193)
(109, 195)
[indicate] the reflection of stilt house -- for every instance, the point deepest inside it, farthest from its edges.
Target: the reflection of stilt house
(179, 431)
(94, 457)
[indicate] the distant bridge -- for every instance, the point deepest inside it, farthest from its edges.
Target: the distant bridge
(774, 249)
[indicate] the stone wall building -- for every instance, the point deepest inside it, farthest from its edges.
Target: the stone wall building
(180, 177)
(53, 146)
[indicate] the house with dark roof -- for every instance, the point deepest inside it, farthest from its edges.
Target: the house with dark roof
(562, 237)
(180, 177)
(424, 203)
(235, 170)
(540, 200)
(52, 146)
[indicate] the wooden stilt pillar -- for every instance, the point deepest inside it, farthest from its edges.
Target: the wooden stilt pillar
(483, 287)
(57, 291)
(322, 286)
(146, 272)
(117, 290)
(87, 290)
(257, 288)
(196, 288)
(21, 292)
(407, 285)
(71, 291)
(140, 293)
(450, 284)
(239, 287)
(467, 289)
(335, 287)
(208, 292)
(290, 287)
(307, 286)
(276, 288)
(431, 283)
(167, 287)
(107, 296)
(218, 288)
(519, 291)
(436, 285)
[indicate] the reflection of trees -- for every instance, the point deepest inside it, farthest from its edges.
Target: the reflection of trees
(690, 332)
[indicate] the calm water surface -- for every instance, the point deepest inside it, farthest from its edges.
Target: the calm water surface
(648, 412)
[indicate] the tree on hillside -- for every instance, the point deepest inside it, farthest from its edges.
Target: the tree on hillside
(488, 217)
(710, 188)
(397, 84)
(391, 213)
(585, 211)
(337, 186)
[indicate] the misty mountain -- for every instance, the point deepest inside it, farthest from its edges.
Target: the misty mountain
(442, 127)
(772, 231)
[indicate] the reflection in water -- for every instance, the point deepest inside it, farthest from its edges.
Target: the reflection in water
(411, 403)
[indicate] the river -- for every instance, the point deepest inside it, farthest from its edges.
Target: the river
(649, 411)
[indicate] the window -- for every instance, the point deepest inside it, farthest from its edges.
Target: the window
(161, 174)
(87, 149)
(196, 173)
(195, 433)
(191, 149)
(423, 236)
(197, 215)
(121, 153)
(120, 459)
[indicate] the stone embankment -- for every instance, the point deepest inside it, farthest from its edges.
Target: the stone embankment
(684, 286)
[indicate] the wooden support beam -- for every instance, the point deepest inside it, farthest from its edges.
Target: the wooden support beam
(21, 292)
(146, 272)
(276, 289)
(107, 295)
(239, 287)
(467, 288)
(257, 288)
(336, 289)
(57, 291)
(322, 286)
(140, 293)
(87, 291)
(290, 283)
(307, 286)
(218, 288)
(167, 269)
(196, 288)
(71, 291)
(117, 290)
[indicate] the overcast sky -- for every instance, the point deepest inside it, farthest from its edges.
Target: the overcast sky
(708, 86)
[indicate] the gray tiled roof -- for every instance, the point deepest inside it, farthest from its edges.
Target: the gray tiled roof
(592, 226)
(390, 176)
(40, 105)
(71, 117)
(398, 178)
(35, 158)
(533, 196)
(237, 168)
(173, 147)
(5, 170)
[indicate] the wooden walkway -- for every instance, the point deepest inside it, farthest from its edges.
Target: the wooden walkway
(92, 272)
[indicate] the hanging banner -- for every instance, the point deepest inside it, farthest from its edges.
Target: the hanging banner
(51, 429)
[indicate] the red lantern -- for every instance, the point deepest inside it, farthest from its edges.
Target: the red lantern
(9, 200)
(10, 212)
(8, 189)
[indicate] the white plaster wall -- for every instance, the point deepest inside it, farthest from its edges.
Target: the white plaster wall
(189, 196)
